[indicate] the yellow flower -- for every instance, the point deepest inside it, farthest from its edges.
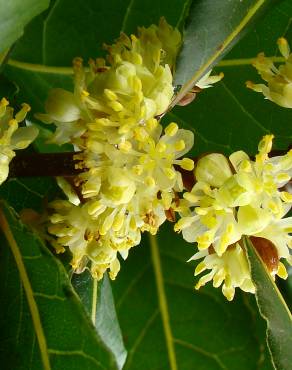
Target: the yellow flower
(231, 270)
(233, 199)
(279, 80)
(110, 101)
(12, 137)
(130, 175)
(207, 80)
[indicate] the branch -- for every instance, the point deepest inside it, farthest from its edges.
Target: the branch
(44, 164)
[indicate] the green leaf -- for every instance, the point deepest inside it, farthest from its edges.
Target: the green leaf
(240, 117)
(35, 84)
(98, 299)
(42, 58)
(14, 16)
(33, 193)
(273, 309)
(168, 325)
(79, 28)
(190, 329)
(213, 27)
(43, 324)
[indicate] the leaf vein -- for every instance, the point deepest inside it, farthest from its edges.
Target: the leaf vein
(201, 351)
(28, 291)
(141, 336)
(163, 305)
(75, 353)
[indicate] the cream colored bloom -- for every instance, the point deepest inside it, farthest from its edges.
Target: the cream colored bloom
(207, 80)
(231, 270)
(12, 137)
(111, 100)
(236, 198)
(130, 163)
(279, 80)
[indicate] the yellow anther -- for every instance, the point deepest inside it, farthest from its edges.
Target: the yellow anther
(191, 197)
(141, 134)
(254, 87)
(149, 181)
(203, 241)
(124, 129)
(201, 211)
(286, 197)
(107, 224)
(170, 173)
(26, 107)
(110, 94)
(137, 170)
(273, 207)
(116, 106)
(94, 208)
(137, 85)
(151, 124)
(282, 177)
(265, 145)
(84, 94)
(118, 221)
(125, 146)
(161, 147)
(20, 116)
(209, 221)
(179, 145)
(282, 272)
(103, 121)
(283, 47)
(171, 129)
(143, 159)
(187, 164)
(183, 223)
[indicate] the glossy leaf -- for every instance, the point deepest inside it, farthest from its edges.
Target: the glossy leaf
(165, 324)
(230, 117)
(33, 193)
(168, 325)
(29, 193)
(14, 16)
(79, 28)
(273, 309)
(42, 58)
(98, 299)
(213, 27)
(43, 324)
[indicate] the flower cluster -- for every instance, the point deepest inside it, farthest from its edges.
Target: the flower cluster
(12, 137)
(129, 161)
(233, 198)
(279, 80)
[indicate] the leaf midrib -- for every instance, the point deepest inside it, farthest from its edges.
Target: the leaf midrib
(4, 225)
(163, 305)
(229, 39)
(41, 68)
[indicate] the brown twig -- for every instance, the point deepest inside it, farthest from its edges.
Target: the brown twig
(44, 164)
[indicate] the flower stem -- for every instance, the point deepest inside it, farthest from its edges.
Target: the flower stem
(44, 164)
(64, 165)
